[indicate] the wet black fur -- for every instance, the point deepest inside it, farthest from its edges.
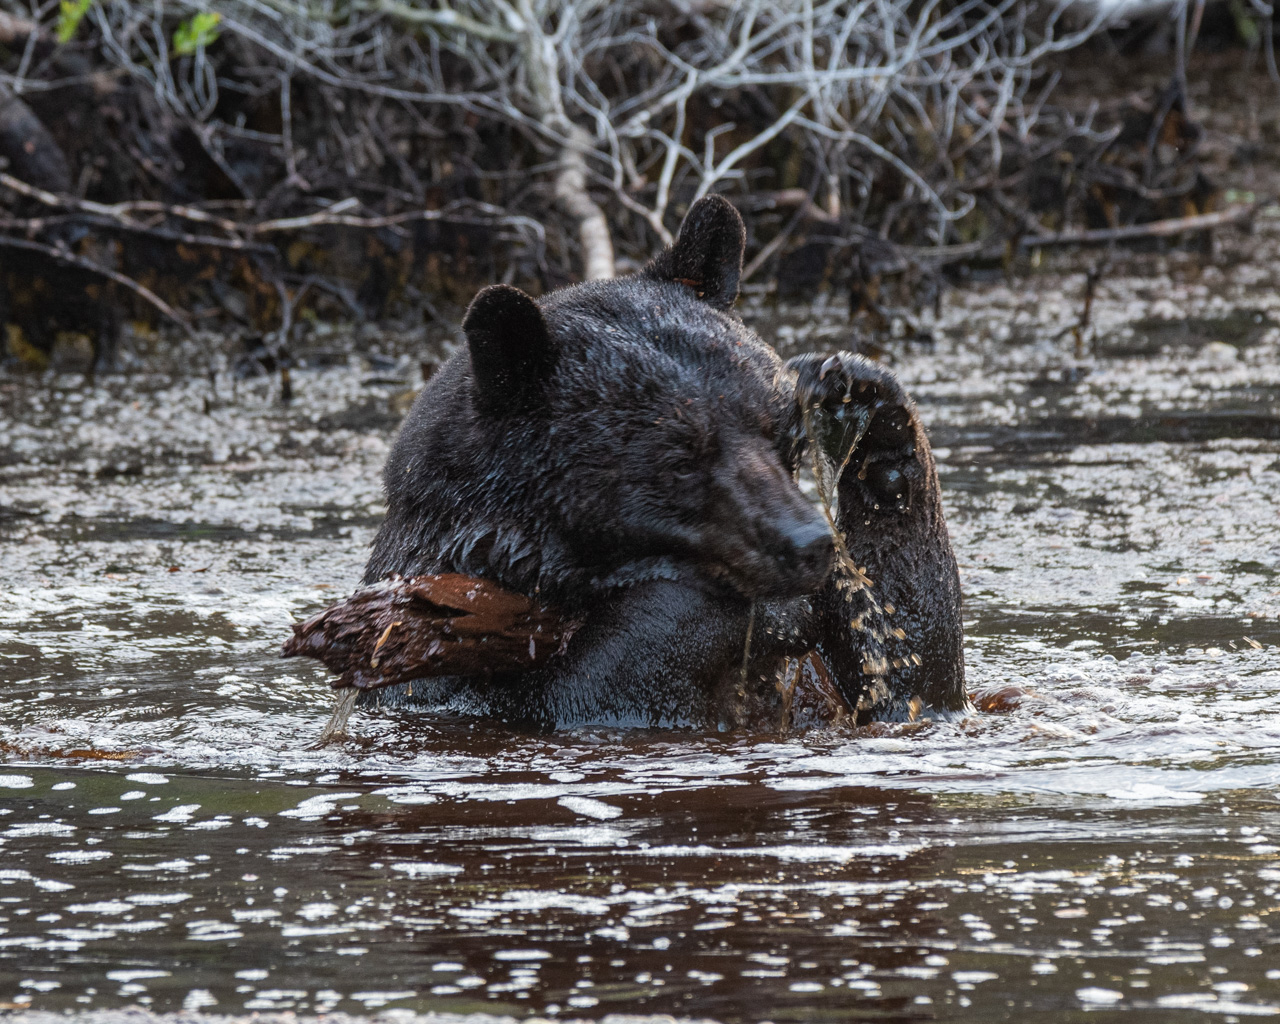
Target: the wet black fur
(626, 450)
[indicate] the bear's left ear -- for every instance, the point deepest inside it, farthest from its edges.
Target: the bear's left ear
(512, 351)
(708, 254)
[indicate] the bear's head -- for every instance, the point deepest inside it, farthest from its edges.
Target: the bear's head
(611, 432)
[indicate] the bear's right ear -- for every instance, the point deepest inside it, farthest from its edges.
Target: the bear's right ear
(708, 254)
(512, 352)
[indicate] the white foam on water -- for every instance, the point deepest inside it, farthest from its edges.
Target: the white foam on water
(590, 808)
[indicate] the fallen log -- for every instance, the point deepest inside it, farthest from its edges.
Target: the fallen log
(401, 629)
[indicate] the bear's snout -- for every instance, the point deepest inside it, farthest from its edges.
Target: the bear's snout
(809, 550)
(795, 552)
(771, 540)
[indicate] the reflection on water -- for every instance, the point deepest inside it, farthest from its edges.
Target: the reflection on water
(682, 879)
(1103, 837)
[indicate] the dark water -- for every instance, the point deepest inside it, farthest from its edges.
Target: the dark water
(1104, 839)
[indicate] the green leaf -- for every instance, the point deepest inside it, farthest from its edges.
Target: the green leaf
(1246, 25)
(200, 31)
(70, 14)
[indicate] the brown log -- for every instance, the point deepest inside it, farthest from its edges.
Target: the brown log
(427, 626)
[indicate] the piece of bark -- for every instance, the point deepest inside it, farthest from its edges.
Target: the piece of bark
(426, 626)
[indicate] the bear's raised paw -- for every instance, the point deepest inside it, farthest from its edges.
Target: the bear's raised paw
(865, 423)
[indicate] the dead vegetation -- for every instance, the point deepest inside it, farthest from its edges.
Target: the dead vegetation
(268, 160)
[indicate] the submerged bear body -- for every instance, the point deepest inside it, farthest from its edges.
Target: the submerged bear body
(627, 451)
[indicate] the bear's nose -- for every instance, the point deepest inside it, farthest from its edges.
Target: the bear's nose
(812, 549)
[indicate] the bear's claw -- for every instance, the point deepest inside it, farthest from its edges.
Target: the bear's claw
(861, 402)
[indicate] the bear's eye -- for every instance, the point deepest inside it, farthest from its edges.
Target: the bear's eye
(681, 470)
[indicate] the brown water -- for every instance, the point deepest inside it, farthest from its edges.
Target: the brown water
(1107, 841)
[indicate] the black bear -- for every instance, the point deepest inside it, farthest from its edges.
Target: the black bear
(627, 450)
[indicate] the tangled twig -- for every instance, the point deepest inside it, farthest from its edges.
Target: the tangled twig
(631, 108)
